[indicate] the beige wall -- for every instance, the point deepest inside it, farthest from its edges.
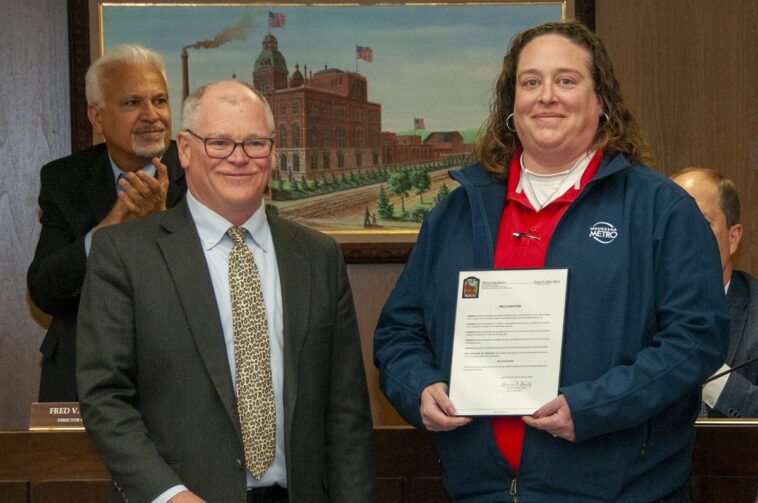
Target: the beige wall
(688, 69)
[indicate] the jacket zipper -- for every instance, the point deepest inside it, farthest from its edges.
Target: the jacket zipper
(514, 490)
(646, 440)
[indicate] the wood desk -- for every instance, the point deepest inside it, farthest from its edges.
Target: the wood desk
(63, 467)
(51, 467)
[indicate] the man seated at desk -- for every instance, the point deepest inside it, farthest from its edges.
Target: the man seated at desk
(734, 394)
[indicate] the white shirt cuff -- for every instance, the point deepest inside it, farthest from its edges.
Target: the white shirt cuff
(169, 493)
(712, 390)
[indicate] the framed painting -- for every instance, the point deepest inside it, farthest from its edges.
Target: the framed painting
(374, 103)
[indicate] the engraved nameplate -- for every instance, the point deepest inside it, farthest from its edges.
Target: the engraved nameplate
(55, 416)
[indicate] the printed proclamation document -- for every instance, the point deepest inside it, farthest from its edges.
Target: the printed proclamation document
(508, 338)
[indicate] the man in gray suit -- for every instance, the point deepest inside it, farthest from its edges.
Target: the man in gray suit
(734, 394)
(156, 368)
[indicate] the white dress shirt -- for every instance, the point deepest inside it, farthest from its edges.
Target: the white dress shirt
(211, 228)
(712, 390)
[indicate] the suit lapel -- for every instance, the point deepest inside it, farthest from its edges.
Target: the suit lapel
(738, 308)
(177, 185)
(186, 262)
(295, 278)
(100, 188)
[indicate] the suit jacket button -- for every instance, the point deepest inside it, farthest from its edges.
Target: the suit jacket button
(239, 464)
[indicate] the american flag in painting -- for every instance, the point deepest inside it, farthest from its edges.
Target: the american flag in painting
(275, 19)
(418, 123)
(364, 53)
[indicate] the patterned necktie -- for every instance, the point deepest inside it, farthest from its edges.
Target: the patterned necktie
(255, 395)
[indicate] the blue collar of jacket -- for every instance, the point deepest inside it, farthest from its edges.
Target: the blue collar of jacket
(486, 198)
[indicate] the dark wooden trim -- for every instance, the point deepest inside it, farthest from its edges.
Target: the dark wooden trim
(78, 62)
(584, 10)
(374, 253)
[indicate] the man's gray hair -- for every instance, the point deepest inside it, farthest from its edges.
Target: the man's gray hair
(127, 54)
(192, 103)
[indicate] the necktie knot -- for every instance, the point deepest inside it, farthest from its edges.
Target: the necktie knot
(237, 234)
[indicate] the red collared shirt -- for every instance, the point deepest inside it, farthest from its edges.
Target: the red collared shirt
(522, 243)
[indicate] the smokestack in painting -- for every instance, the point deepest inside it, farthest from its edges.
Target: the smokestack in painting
(185, 74)
(229, 34)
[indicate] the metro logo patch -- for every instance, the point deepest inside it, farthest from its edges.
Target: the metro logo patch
(603, 232)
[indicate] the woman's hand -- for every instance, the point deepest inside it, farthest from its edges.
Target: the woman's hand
(437, 410)
(555, 418)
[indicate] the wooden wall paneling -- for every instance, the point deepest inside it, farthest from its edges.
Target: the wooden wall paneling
(407, 459)
(34, 115)
(726, 451)
(371, 284)
(70, 491)
(724, 489)
(14, 491)
(63, 466)
(49, 456)
(725, 466)
(427, 490)
(390, 490)
(688, 71)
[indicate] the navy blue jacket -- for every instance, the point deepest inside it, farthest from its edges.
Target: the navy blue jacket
(646, 324)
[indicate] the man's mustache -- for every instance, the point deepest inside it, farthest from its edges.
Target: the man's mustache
(148, 129)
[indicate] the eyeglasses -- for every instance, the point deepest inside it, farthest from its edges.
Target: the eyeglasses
(222, 148)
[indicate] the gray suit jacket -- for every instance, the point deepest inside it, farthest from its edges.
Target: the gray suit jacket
(740, 395)
(154, 382)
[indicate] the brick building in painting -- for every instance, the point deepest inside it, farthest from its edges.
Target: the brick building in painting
(445, 144)
(404, 149)
(326, 125)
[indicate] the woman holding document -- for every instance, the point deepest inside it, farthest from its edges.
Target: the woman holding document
(561, 183)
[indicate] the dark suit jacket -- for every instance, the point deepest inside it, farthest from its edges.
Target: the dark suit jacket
(76, 194)
(740, 395)
(155, 386)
